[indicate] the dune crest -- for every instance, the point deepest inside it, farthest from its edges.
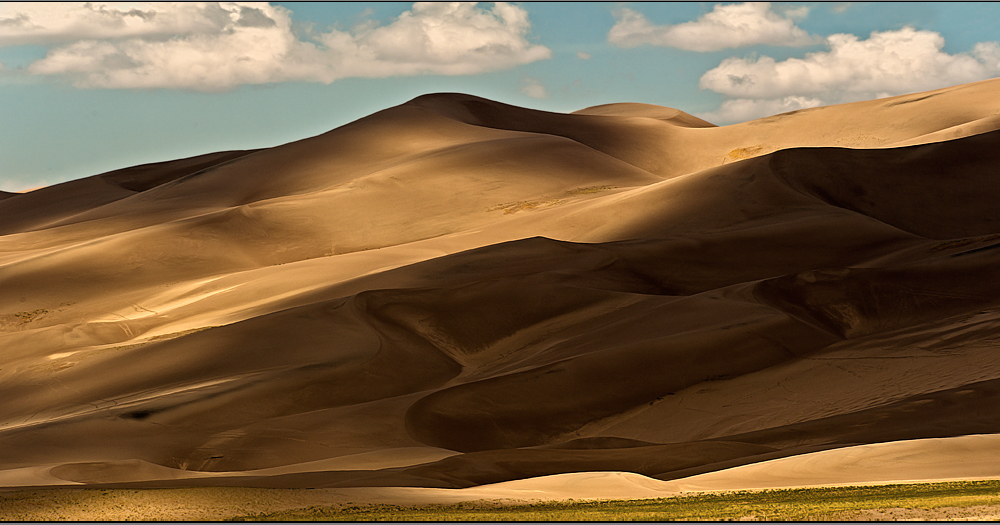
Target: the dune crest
(627, 109)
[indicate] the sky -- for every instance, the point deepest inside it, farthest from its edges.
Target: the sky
(87, 88)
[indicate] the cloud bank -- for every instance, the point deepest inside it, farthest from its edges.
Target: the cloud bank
(727, 26)
(887, 63)
(218, 46)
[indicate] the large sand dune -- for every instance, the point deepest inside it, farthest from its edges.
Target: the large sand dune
(455, 292)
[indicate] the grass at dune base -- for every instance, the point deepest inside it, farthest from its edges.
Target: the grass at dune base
(830, 503)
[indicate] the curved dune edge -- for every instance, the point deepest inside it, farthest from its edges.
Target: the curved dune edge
(970, 457)
(81, 474)
(966, 129)
(923, 460)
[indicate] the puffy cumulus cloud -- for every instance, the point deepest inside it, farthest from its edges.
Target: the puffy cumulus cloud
(727, 26)
(218, 46)
(195, 46)
(59, 22)
(887, 63)
(583, 55)
(743, 109)
(533, 88)
(894, 62)
(445, 38)
(988, 53)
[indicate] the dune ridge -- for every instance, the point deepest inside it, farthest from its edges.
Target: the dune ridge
(456, 292)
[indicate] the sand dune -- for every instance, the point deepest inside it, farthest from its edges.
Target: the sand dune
(455, 292)
(898, 462)
(671, 115)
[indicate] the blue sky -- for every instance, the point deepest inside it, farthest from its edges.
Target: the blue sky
(90, 88)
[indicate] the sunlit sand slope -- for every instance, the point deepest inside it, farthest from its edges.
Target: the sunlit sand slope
(455, 292)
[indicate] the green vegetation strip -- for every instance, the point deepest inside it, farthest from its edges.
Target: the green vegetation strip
(831, 503)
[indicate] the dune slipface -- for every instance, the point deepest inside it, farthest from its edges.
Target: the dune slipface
(455, 292)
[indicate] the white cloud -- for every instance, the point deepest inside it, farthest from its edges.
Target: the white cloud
(988, 53)
(795, 13)
(533, 88)
(894, 62)
(841, 7)
(59, 22)
(888, 63)
(582, 56)
(727, 26)
(743, 109)
(209, 46)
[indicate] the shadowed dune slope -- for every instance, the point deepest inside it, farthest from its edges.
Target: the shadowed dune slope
(905, 187)
(454, 292)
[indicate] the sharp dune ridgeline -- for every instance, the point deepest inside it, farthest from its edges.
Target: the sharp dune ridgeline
(455, 292)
